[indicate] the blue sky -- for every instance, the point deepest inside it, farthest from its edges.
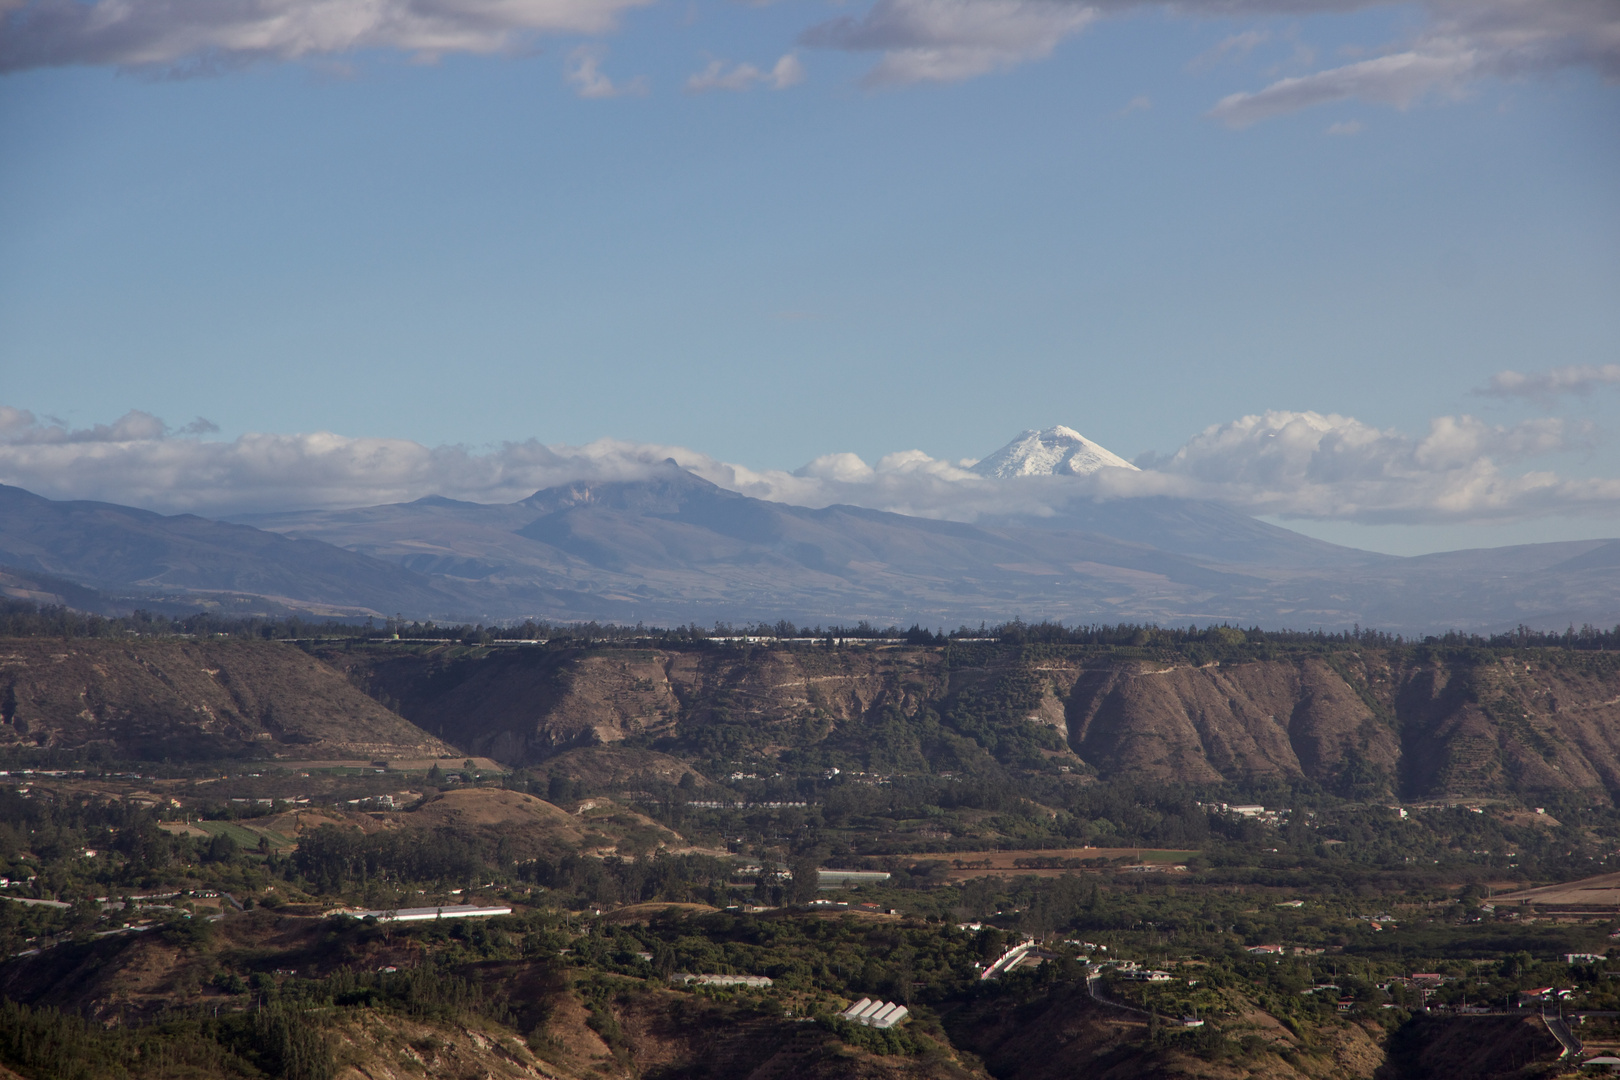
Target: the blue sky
(936, 223)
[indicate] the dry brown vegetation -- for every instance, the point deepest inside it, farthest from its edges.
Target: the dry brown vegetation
(191, 700)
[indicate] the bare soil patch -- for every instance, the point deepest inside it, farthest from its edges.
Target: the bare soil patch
(1600, 891)
(181, 828)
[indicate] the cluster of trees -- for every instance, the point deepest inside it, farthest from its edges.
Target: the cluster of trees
(1149, 635)
(676, 879)
(46, 838)
(332, 859)
(20, 618)
(278, 1041)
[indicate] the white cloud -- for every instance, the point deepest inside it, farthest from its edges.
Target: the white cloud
(201, 36)
(584, 72)
(1577, 379)
(1457, 44)
(951, 40)
(1308, 464)
(21, 426)
(716, 77)
(141, 461)
(1140, 103)
(1232, 47)
(1464, 42)
(1299, 464)
(1460, 43)
(1346, 127)
(786, 72)
(842, 468)
(1399, 80)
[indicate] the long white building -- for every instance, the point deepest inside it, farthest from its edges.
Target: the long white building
(424, 914)
(878, 1014)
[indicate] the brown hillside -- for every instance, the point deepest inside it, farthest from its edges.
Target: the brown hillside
(528, 826)
(192, 700)
(1432, 725)
(1069, 1035)
(618, 830)
(1524, 722)
(295, 823)
(522, 706)
(1219, 722)
(1415, 723)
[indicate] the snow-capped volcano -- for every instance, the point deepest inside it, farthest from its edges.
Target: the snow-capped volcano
(1057, 451)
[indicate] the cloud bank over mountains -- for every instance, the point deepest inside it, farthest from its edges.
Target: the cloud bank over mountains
(1293, 464)
(1457, 44)
(1311, 465)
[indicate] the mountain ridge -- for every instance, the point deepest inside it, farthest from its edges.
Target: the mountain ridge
(675, 548)
(108, 547)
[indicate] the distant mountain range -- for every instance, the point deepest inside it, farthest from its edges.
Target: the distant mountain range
(675, 548)
(101, 556)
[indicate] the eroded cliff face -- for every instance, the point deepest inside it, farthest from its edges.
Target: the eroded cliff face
(524, 706)
(1525, 721)
(192, 700)
(1421, 723)
(1222, 722)
(1417, 723)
